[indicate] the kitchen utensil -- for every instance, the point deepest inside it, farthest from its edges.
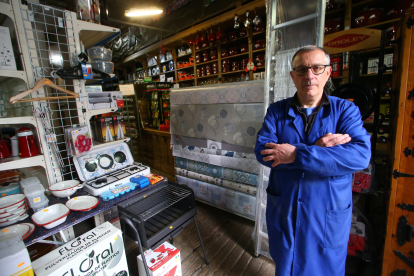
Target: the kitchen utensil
(82, 203)
(11, 201)
(171, 65)
(65, 188)
(8, 188)
(36, 198)
(248, 21)
(14, 146)
(18, 229)
(31, 230)
(4, 149)
(27, 144)
(52, 216)
(104, 66)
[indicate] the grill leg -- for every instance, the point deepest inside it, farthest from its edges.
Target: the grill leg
(143, 255)
(201, 241)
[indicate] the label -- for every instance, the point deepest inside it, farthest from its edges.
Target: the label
(3, 194)
(147, 79)
(19, 265)
(45, 210)
(36, 199)
(347, 40)
(75, 198)
(5, 230)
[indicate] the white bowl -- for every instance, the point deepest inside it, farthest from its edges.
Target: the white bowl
(82, 203)
(51, 216)
(65, 188)
(15, 210)
(10, 202)
(15, 216)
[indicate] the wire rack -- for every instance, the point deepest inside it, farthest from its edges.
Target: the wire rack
(158, 201)
(51, 40)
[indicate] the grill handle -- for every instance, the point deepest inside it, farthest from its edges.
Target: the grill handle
(124, 220)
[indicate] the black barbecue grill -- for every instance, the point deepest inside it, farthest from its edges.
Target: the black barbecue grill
(159, 215)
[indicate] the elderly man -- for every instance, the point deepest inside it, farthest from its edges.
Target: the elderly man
(313, 143)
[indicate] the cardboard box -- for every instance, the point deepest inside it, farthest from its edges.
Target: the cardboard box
(373, 66)
(107, 130)
(102, 100)
(163, 261)
(119, 127)
(97, 252)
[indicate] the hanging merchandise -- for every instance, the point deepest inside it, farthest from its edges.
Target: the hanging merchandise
(78, 140)
(220, 35)
(236, 22)
(248, 21)
(190, 42)
(212, 37)
(88, 10)
(257, 20)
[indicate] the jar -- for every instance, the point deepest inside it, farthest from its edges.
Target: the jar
(260, 44)
(233, 51)
(244, 48)
(260, 63)
(198, 47)
(243, 63)
(198, 72)
(235, 66)
(243, 32)
(333, 26)
(185, 64)
(215, 70)
(259, 28)
(215, 65)
(366, 17)
(198, 57)
(232, 35)
(206, 58)
(208, 69)
(224, 53)
(226, 61)
(213, 53)
(204, 45)
(226, 68)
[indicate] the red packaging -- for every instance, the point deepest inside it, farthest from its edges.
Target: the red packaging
(399, 8)
(260, 44)
(233, 51)
(333, 26)
(224, 53)
(244, 48)
(336, 64)
(367, 17)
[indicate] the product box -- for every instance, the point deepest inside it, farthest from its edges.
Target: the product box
(101, 100)
(163, 261)
(119, 127)
(97, 252)
(356, 237)
(388, 60)
(373, 66)
(7, 61)
(107, 129)
(78, 140)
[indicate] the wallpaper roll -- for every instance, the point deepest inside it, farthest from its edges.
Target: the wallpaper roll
(231, 200)
(217, 171)
(247, 189)
(241, 164)
(235, 124)
(206, 143)
(220, 152)
(248, 92)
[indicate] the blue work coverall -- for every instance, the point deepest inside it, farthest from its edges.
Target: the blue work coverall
(309, 201)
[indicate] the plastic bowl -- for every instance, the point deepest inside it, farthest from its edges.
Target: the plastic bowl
(51, 216)
(65, 188)
(99, 54)
(103, 66)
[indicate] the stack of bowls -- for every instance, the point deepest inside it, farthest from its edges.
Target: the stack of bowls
(13, 208)
(100, 59)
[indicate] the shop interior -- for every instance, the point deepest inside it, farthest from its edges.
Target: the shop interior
(130, 126)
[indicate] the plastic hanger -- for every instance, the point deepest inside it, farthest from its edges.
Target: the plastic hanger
(40, 84)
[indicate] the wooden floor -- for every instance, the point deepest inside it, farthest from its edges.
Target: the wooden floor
(228, 242)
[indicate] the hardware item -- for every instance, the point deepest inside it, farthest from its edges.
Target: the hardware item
(397, 174)
(404, 206)
(405, 231)
(409, 152)
(404, 258)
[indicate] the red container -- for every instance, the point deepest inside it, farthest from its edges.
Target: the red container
(367, 17)
(260, 44)
(215, 70)
(4, 150)
(208, 69)
(244, 48)
(27, 144)
(213, 53)
(198, 47)
(399, 8)
(336, 64)
(212, 37)
(260, 62)
(232, 35)
(235, 66)
(260, 57)
(226, 62)
(224, 53)
(226, 68)
(215, 65)
(243, 32)
(259, 28)
(233, 51)
(198, 58)
(333, 26)
(204, 45)
(206, 58)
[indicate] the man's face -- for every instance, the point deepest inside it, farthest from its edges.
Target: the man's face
(310, 86)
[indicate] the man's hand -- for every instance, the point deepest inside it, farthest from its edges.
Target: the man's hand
(279, 153)
(330, 140)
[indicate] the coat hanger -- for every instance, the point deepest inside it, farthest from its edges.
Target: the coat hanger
(40, 84)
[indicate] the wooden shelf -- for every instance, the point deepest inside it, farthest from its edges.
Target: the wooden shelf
(362, 3)
(334, 11)
(234, 72)
(204, 49)
(374, 74)
(242, 54)
(259, 50)
(186, 55)
(380, 24)
(261, 67)
(186, 80)
(209, 76)
(236, 39)
(172, 71)
(207, 62)
(185, 68)
(262, 32)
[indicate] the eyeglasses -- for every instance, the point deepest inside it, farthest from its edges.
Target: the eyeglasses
(316, 69)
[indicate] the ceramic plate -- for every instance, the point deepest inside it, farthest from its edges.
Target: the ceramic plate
(8, 232)
(32, 228)
(82, 203)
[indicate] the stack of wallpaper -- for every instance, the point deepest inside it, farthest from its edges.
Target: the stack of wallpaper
(213, 132)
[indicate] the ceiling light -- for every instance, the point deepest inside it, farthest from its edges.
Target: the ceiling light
(142, 12)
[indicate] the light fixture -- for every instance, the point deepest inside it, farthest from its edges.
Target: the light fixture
(143, 12)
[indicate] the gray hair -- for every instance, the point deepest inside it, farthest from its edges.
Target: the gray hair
(309, 48)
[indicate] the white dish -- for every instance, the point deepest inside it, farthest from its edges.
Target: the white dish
(65, 188)
(82, 203)
(51, 216)
(16, 215)
(14, 211)
(32, 228)
(10, 201)
(8, 232)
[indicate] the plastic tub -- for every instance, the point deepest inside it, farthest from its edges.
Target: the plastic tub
(103, 66)
(28, 182)
(35, 195)
(41, 206)
(98, 53)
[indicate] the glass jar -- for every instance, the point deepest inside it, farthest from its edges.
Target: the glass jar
(235, 66)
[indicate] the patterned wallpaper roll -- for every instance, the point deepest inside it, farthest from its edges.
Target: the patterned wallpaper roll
(249, 92)
(235, 124)
(217, 171)
(231, 200)
(247, 189)
(220, 152)
(241, 164)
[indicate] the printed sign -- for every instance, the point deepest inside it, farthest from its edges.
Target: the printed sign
(352, 40)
